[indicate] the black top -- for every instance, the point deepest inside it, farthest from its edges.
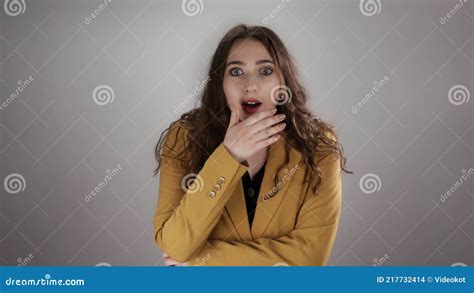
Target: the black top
(251, 190)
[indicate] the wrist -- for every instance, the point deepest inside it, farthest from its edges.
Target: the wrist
(239, 160)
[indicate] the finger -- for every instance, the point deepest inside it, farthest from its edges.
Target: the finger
(266, 123)
(266, 142)
(234, 117)
(259, 116)
(265, 133)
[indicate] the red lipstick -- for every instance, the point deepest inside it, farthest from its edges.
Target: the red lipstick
(251, 105)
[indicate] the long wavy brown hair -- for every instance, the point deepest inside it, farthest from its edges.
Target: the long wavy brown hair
(207, 125)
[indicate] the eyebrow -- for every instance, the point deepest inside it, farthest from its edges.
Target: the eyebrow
(238, 62)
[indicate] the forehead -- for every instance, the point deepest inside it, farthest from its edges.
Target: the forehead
(248, 49)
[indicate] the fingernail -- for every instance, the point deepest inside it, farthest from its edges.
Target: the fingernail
(274, 110)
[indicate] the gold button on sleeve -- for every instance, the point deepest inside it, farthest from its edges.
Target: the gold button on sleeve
(212, 194)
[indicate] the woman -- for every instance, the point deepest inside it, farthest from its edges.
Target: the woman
(267, 173)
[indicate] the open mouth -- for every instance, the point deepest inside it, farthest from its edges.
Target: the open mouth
(251, 106)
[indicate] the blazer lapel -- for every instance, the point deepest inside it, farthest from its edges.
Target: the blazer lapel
(269, 200)
(237, 211)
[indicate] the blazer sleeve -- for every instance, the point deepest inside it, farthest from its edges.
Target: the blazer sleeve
(183, 219)
(309, 244)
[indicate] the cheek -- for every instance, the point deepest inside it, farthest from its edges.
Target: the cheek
(268, 86)
(232, 91)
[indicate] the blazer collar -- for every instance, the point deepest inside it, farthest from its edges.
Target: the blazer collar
(270, 197)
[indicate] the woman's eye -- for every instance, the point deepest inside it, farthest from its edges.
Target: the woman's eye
(235, 72)
(267, 71)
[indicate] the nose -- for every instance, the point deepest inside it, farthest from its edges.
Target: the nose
(251, 86)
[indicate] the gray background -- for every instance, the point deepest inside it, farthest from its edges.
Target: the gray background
(153, 56)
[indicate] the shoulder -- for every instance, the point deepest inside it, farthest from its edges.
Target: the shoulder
(177, 131)
(327, 152)
(330, 134)
(175, 138)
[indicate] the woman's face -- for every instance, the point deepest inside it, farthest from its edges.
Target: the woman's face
(249, 78)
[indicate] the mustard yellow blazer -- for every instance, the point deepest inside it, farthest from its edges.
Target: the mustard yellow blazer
(209, 225)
